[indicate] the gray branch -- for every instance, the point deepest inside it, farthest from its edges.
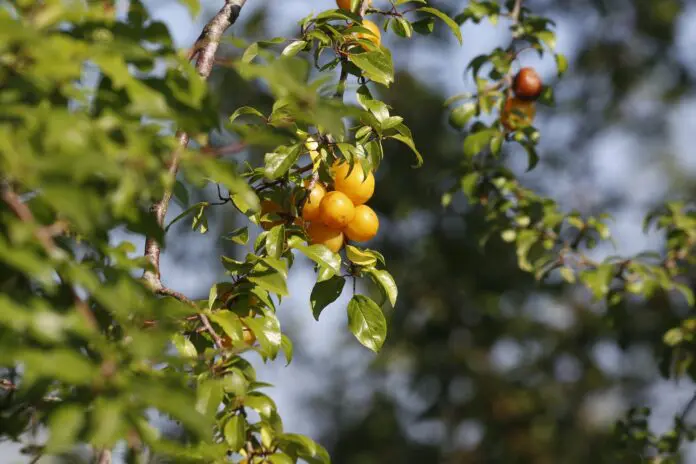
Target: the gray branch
(204, 51)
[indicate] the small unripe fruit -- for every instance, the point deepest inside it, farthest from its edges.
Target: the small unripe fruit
(336, 210)
(356, 185)
(527, 84)
(310, 209)
(364, 225)
(320, 234)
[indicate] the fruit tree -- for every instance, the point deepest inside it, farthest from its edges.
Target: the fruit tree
(105, 124)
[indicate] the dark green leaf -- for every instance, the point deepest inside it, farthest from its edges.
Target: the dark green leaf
(367, 322)
(324, 293)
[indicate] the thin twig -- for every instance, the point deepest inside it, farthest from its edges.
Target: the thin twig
(231, 149)
(104, 457)
(364, 6)
(687, 409)
(205, 48)
(164, 291)
(45, 238)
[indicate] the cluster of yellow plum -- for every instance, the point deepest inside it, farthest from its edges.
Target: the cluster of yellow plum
(340, 214)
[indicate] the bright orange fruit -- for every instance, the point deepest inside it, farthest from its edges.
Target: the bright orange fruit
(355, 185)
(336, 210)
(320, 234)
(310, 209)
(364, 225)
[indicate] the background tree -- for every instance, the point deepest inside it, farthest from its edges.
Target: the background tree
(464, 305)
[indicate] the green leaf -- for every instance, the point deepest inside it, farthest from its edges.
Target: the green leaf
(424, 26)
(198, 207)
(278, 164)
(376, 65)
(402, 27)
(208, 396)
(324, 293)
(454, 27)
(267, 331)
(106, 422)
(532, 156)
(548, 37)
(408, 141)
(279, 458)
(360, 257)
(270, 280)
(200, 220)
(477, 141)
(367, 322)
(294, 48)
(260, 403)
(561, 64)
(287, 348)
(246, 110)
(239, 235)
(275, 241)
(319, 254)
(184, 346)
(229, 322)
(64, 426)
(461, 115)
(385, 280)
(235, 432)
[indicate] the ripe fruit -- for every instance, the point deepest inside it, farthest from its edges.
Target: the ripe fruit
(355, 185)
(364, 225)
(268, 207)
(310, 210)
(345, 4)
(375, 37)
(320, 234)
(336, 210)
(527, 84)
(517, 113)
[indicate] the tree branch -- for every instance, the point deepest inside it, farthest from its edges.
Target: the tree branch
(515, 13)
(205, 48)
(204, 319)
